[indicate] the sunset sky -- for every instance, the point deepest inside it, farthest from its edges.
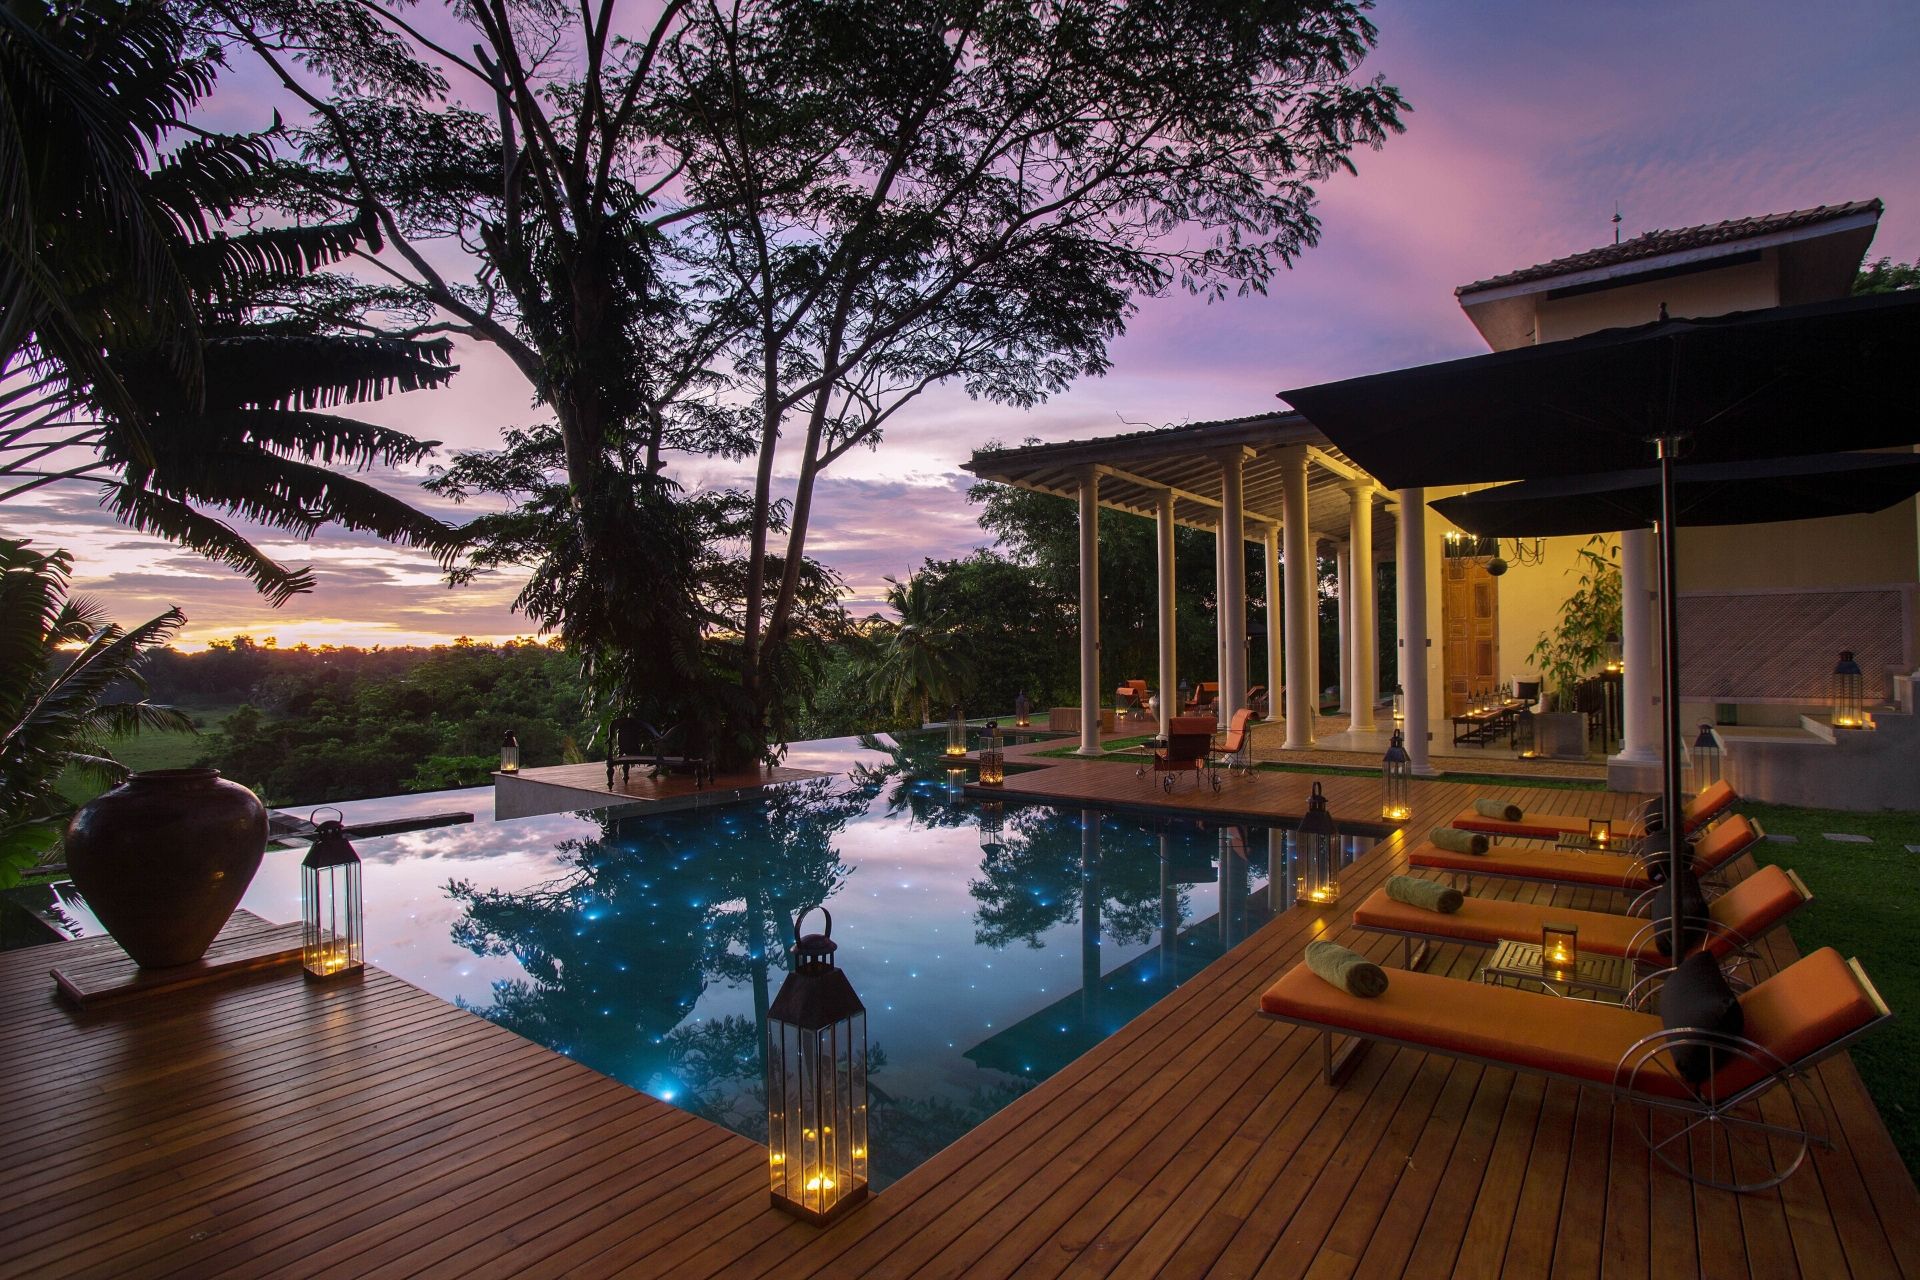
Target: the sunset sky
(1530, 121)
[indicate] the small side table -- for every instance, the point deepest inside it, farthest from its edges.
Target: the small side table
(1605, 979)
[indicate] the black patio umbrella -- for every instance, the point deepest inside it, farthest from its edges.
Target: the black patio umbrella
(1758, 491)
(1757, 384)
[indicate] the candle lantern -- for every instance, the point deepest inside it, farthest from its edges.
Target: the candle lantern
(1523, 733)
(333, 933)
(1559, 948)
(1849, 693)
(1318, 854)
(1396, 780)
(993, 761)
(1399, 704)
(1022, 710)
(993, 818)
(1613, 653)
(1599, 833)
(817, 1085)
(509, 753)
(956, 732)
(1705, 762)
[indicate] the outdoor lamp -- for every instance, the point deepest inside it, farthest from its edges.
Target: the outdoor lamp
(1599, 832)
(333, 933)
(1559, 948)
(1396, 779)
(1849, 693)
(1022, 710)
(993, 762)
(1399, 704)
(956, 732)
(1319, 854)
(1614, 664)
(509, 753)
(1706, 759)
(817, 1085)
(1523, 737)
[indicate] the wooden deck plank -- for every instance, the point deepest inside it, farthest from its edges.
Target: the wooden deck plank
(180, 1136)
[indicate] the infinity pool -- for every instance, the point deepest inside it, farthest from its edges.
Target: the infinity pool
(992, 943)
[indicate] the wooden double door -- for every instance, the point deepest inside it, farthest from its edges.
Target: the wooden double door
(1470, 620)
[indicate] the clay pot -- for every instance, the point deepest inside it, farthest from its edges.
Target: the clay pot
(164, 858)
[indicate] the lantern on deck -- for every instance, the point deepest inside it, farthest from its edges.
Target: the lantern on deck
(1318, 854)
(1849, 693)
(993, 761)
(1599, 833)
(333, 933)
(1396, 779)
(1022, 710)
(1615, 665)
(1705, 765)
(1559, 948)
(509, 753)
(1523, 733)
(1399, 704)
(956, 732)
(817, 1085)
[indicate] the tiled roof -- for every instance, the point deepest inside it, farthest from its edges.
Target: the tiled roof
(1782, 645)
(1653, 244)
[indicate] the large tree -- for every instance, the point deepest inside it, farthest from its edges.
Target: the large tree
(761, 228)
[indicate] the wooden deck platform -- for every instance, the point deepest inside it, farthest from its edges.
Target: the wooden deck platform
(276, 1128)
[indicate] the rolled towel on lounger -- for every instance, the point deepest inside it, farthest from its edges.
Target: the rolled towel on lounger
(1454, 840)
(1428, 894)
(1348, 970)
(1498, 809)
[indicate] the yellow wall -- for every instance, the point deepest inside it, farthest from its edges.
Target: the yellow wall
(1842, 551)
(1709, 293)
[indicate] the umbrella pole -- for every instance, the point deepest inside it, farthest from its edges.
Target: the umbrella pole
(1672, 821)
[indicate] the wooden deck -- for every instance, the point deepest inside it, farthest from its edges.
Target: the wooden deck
(276, 1128)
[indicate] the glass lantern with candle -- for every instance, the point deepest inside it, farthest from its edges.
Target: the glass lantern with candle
(1559, 948)
(956, 732)
(1849, 693)
(817, 1085)
(1599, 833)
(1022, 710)
(1396, 780)
(509, 753)
(1704, 764)
(1318, 853)
(1399, 705)
(1612, 654)
(993, 760)
(333, 929)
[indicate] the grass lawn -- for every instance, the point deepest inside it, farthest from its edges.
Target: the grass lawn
(1866, 903)
(152, 750)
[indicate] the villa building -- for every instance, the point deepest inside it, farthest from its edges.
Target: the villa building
(1765, 609)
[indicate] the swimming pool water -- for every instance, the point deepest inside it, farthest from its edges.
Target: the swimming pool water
(992, 943)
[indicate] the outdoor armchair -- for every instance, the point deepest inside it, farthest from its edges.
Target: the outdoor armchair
(1807, 1012)
(1235, 748)
(1189, 747)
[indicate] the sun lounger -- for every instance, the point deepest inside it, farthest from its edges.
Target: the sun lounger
(1699, 811)
(1799, 1016)
(1714, 851)
(1734, 920)
(1235, 749)
(1131, 699)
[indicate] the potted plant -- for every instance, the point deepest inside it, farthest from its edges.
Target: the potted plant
(1567, 654)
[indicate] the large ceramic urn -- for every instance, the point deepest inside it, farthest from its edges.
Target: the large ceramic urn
(164, 858)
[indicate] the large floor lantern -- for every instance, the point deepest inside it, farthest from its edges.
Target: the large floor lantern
(1318, 854)
(333, 934)
(993, 759)
(817, 1085)
(1704, 762)
(510, 753)
(1022, 710)
(1396, 780)
(956, 732)
(1849, 693)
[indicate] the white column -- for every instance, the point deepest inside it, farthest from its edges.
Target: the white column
(1313, 629)
(1299, 588)
(1276, 617)
(1639, 617)
(1343, 574)
(1412, 607)
(1090, 612)
(1219, 621)
(1366, 657)
(1164, 531)
(1233, 523)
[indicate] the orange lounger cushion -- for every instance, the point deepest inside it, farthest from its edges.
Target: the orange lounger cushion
(1795, 1014)
(1589, 870)
(1751, 908)
(1703, 808)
